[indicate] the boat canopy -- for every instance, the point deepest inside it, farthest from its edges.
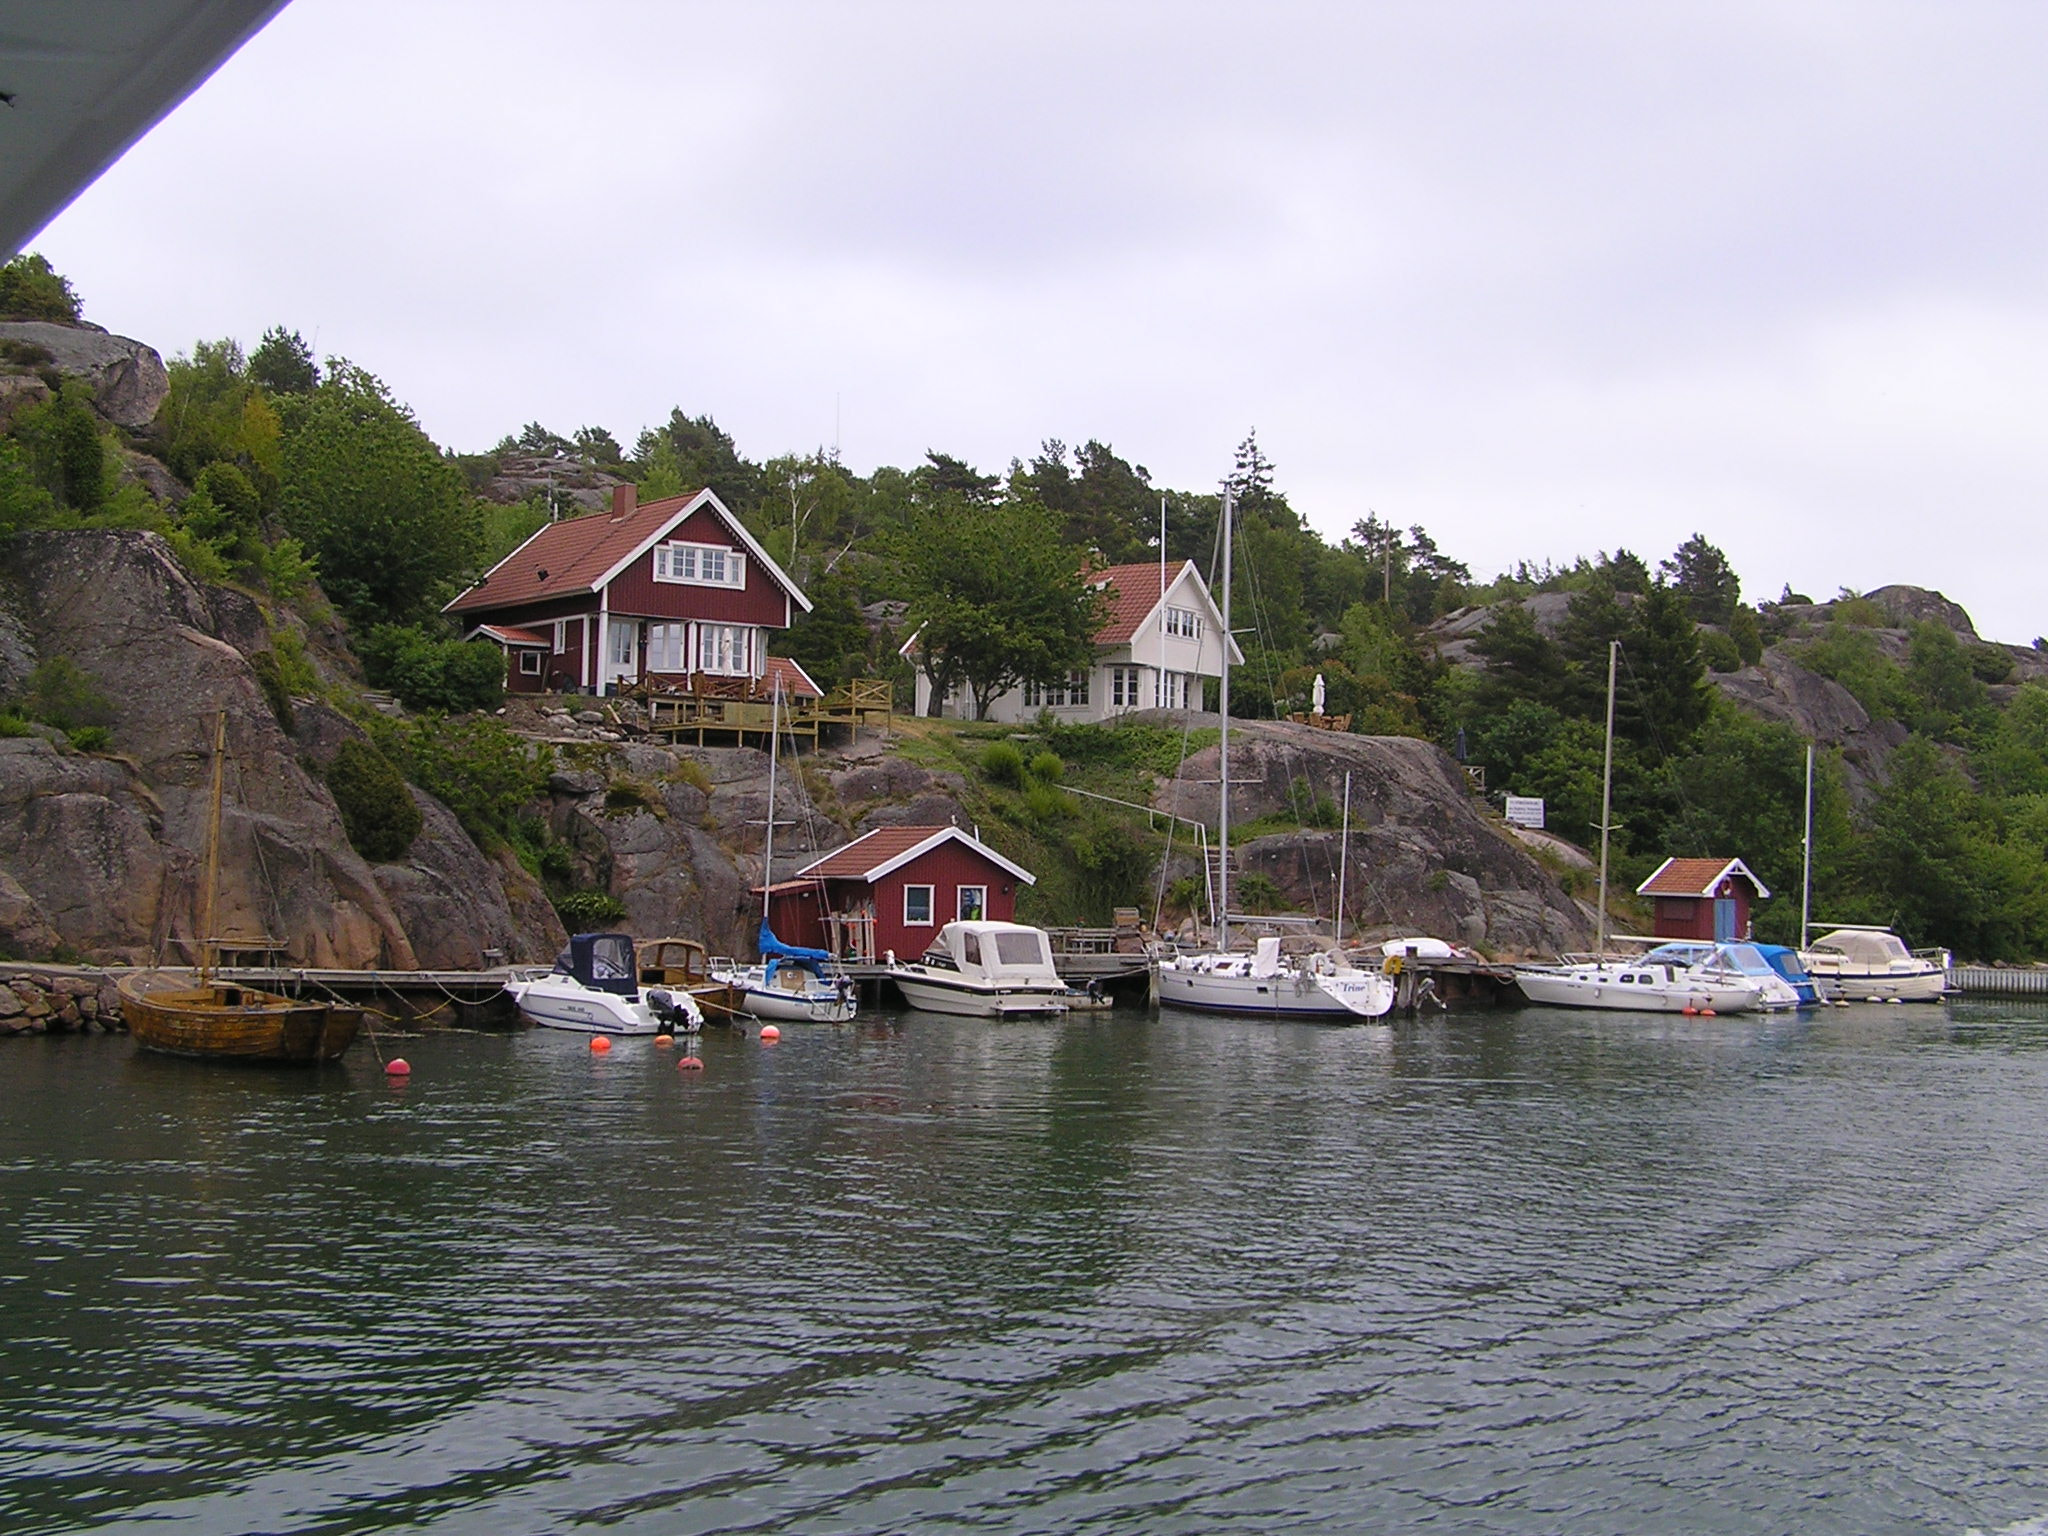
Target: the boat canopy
(601, 961)
(996, 952)
(775, 955)
(1864, 946)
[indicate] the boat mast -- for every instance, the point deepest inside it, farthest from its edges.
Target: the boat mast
(1607, 794)
(1343, 857)
(1223, 767)
(206, 918)
(774, 748)
(1806, 866)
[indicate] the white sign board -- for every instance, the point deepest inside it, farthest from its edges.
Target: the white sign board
(1525, 811)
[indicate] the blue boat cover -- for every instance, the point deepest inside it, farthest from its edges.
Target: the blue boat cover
(776, 954)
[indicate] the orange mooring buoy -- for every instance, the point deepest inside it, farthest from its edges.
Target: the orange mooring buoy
(1706, 1013)
(600, 1044)
(398, 1066)
(690, 1064)
(770, 1034)
(663, 1042)
(1688, 1009)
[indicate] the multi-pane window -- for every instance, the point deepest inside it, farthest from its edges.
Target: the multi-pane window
(1171, 690)
(722, 648)
(624, 634)
(1123, 687)
(1184, 622)
(668, 647)
(917, 905)
(1073, 691)
(973, 902)
(703, 565)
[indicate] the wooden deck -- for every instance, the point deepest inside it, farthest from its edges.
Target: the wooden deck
(729, 712)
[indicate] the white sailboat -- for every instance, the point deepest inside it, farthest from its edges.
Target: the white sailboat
(1269, 981)
(1670, 984)
(791, 984)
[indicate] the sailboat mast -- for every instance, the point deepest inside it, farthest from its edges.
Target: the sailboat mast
(774, 749)
(1607, 794)
(1223, 767)
(1343, 856)
(206, 919)
(1806, 864)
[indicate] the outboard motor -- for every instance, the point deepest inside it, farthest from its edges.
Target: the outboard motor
(674, 1010)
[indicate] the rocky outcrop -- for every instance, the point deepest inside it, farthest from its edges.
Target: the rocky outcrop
(575, 486)
(56, 1000)
(1818, 708)
(1907, 606)
(128, 379)
(458, 906)
(1424, 855)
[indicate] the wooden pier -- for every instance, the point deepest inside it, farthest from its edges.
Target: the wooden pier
(732, 712)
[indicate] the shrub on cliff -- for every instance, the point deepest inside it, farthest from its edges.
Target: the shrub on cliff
(437, 673)
(31, 289)
(376, 808)
(1002, 763)
(482, 772)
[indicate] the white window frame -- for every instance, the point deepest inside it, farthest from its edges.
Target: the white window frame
(622, 635)
(560, 625)
(700, 565)
(960, 902)
(668, 647)
(725, 650)
(930, 906)
(529, 663)
(1184, 622)
(1124, 683)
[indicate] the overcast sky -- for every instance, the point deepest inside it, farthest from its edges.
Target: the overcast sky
(1544, 279)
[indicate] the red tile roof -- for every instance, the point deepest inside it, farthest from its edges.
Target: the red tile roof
(570, 556)
(1696, 877)
(796, 682)
(1133, 591)
(866, 857)
(512, 634)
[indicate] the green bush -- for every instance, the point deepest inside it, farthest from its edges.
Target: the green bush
(629, 797)
(1047, 802)
(1002, 763)
(1255, 893)
(270, 678)
(377, 810)
(427, 672)
(12, 724)
(90, 738)
(1047, 768)
(30, 289)
(586, 911)
(1719, 651)
(482, 772)
(59, 692)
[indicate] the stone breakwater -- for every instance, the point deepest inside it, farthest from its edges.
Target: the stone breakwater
(58, 1000)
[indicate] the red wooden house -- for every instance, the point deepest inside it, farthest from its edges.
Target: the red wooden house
(1702, 898)
(892, 889)
(676, 590)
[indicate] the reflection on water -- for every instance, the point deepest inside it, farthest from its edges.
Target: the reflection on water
(1528, 1272)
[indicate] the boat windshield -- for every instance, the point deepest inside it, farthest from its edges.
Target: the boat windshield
(1021, 947)
(1748, 959)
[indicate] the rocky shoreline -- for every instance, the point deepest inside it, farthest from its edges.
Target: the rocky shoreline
(58, 1000)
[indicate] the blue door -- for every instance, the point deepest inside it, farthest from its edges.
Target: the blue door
(1724, 919)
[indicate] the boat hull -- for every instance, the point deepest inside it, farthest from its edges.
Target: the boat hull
(1564, 989)
(1917, 986)
(968, 999)
(586, 1011)
(1365, 994)
(218, 1022)
(828, 1003)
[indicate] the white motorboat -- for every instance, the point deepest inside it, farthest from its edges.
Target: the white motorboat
(984, 970)
(1865, 964)
(1775, 991)
(1636, 986)
(1268, 980)
(594, 989)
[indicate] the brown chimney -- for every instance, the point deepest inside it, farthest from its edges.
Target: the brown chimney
(623, 501)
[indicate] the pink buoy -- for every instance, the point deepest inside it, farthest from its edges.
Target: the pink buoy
(690, 1064)
(1688, 1009)
(770, 1034)
(398, 1066)
(1706, 1013)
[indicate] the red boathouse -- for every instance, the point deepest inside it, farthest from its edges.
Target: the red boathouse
(892, 889)
(1705, 899)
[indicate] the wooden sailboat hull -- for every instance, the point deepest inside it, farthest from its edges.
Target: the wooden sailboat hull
(219, 1022)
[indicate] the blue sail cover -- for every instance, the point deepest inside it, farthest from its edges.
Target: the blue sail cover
(775, 954)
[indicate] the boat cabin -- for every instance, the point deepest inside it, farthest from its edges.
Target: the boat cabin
(1705, 899)
(600, 961)
(891, 890)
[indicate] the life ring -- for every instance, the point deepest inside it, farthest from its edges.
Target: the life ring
(1392, 965)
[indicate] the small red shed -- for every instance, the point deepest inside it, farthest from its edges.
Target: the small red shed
(892, 889)
(1702, 898)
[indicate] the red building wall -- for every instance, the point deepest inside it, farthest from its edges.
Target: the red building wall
(762, 601)
(945, 868)
(1692, 917)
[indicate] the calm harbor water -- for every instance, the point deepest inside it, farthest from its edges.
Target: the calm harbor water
(1533, 1272)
